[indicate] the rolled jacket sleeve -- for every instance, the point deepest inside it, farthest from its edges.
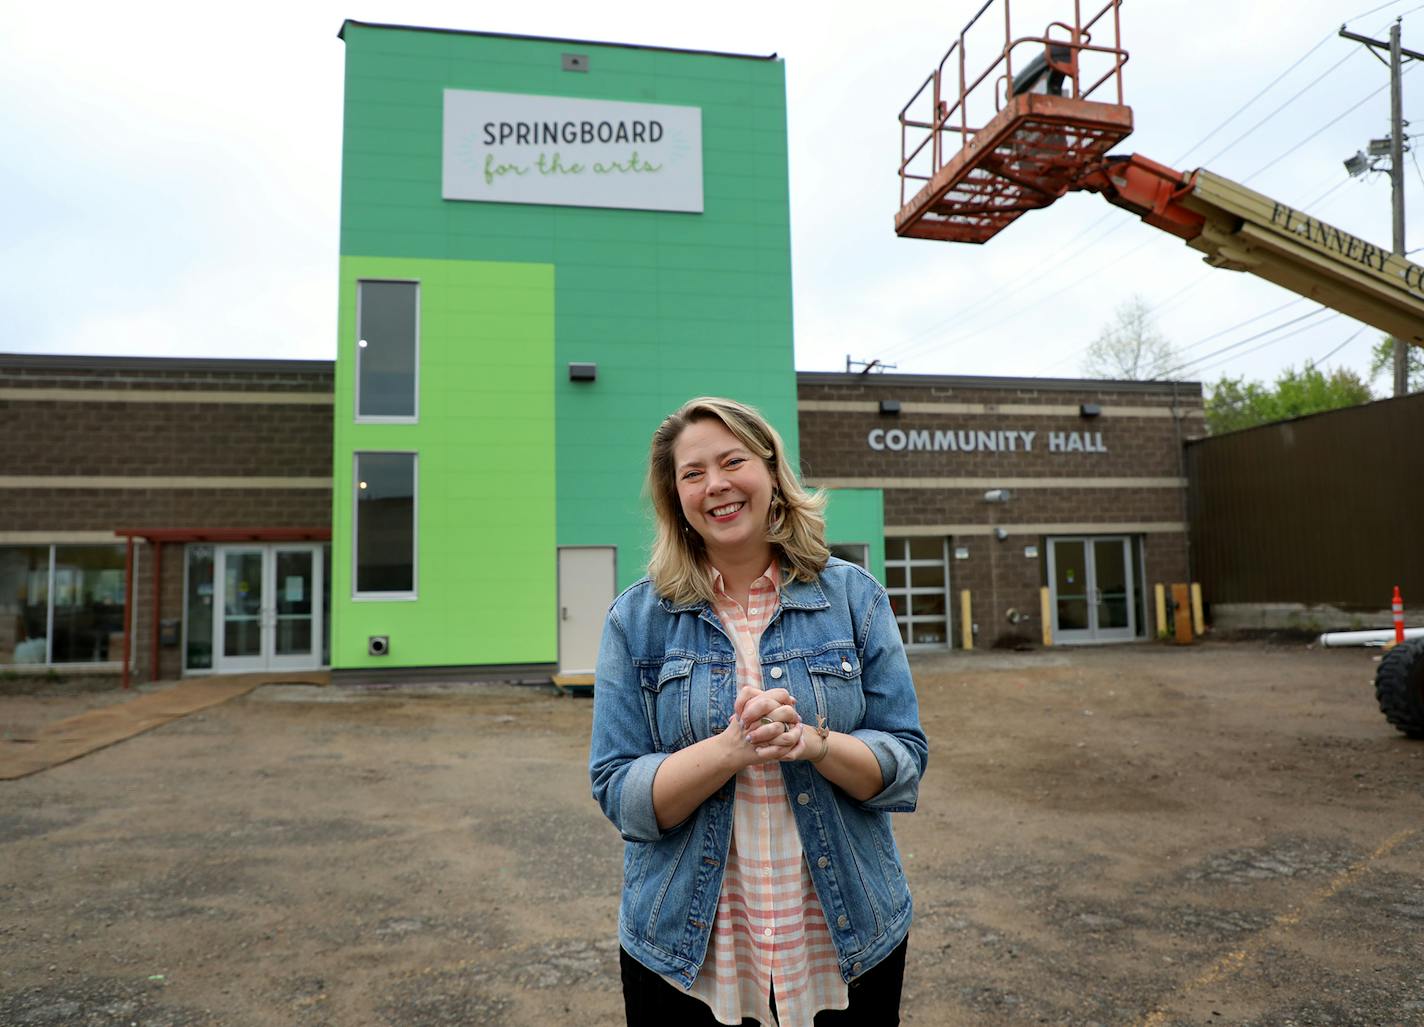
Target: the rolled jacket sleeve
(891, 728)
(622, 757)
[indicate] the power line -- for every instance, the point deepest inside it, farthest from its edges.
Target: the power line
(1376, 10)
(1293, 99)
(905, 354)
(987, 302)
(1355, 335)
(1267, 343)
(1199, 363)
(1340, 117)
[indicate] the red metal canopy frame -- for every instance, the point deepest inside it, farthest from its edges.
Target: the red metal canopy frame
(964, 180)
(156, 537)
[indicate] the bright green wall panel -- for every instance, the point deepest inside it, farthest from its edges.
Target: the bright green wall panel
(858, 515)
(486, 495)
(668, 305)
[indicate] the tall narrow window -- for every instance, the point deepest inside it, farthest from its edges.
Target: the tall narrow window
(917, 580)
(387, 350)
(24, 604)
(88, 617)
(199, 619)
(385, 524)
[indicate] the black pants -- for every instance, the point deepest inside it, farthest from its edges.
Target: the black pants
(651, 1001)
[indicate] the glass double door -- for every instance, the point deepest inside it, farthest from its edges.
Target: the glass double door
(268, 608)
(1093, 596)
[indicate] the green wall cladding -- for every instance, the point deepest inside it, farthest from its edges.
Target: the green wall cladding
(486, 562)
(858, 516)
(668, 305)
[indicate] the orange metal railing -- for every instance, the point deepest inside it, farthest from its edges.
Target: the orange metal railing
(949, 111)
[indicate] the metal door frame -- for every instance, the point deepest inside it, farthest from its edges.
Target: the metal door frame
(1093, 634)
(267, 658)
(561, 611)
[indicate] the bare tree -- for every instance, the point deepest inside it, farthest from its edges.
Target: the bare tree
(1130, 347)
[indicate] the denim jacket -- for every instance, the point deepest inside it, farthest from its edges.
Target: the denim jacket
(666, 679)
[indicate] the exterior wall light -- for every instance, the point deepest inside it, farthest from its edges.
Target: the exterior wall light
(1089, 410)
(583, 372)
(890, 406)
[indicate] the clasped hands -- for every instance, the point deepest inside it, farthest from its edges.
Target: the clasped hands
(765, 728)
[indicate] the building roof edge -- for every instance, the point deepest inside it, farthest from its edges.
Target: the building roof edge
(341, 34)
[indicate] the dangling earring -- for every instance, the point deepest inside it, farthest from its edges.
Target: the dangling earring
(776, 511)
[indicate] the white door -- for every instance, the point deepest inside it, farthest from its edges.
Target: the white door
(268, 614)
(1091, 582)
(294, 611)
(587, 585)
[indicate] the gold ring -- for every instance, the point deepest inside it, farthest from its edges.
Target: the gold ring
(766, 720)
(785, 727)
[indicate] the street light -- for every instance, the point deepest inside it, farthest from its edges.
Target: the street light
(1359, 164)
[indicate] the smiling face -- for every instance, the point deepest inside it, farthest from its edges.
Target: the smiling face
(725, 491)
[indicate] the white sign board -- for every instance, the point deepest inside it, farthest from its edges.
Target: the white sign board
(515, 148)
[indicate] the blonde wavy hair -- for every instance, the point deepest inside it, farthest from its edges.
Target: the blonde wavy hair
(796, 523)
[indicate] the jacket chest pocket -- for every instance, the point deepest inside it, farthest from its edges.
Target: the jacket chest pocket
(667, 698)
(835, 680)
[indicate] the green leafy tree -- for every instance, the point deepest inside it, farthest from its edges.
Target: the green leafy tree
(1130, 347)
(1382, 364)
(1235, 403)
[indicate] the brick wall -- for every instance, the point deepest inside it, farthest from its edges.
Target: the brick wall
(98, 418)
(1140, 427)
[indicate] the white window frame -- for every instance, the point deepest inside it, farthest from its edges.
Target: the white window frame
(904, 561)
(414, 592)
(414, 417)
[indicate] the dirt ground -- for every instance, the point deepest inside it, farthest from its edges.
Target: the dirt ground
(1228, 834)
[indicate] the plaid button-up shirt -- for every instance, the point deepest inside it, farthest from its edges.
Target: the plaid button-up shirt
(770, 932)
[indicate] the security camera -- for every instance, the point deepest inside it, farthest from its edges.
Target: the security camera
(997, 496)
(378, 645)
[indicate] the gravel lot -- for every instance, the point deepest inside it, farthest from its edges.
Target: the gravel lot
(1141, 835)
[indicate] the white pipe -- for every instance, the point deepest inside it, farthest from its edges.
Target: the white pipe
(1336, 639)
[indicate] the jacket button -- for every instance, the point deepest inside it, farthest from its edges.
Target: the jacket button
(855, 969)
(823, 862)
(844, 921)
(803, 799)
(845, 666)
(776, 673)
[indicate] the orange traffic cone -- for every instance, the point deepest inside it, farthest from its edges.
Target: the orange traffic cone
(1397, 605)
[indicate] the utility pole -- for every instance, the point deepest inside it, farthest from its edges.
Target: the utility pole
(1396, 164)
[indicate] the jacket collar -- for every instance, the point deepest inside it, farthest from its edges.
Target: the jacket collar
(795, 595)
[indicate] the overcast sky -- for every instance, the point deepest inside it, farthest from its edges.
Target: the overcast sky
(170, 175)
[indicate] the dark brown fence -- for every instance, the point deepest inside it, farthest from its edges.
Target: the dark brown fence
(1321, 509)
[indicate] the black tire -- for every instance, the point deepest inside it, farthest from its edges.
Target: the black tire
(1399, 687)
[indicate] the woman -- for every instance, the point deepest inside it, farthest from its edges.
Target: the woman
(754, 726)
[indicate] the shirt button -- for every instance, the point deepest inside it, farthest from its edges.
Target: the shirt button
(844, 921)
(753, 610)
(767, 934)
(823, 862)
(803, 799)
(776, 673)
(855, 969)
(845, 666)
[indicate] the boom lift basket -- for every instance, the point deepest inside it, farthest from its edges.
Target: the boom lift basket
(1043, 132)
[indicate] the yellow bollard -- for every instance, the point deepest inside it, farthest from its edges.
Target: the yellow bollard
(1160, 594)
(1045, 612)
(1198, 621)
(966, 620)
